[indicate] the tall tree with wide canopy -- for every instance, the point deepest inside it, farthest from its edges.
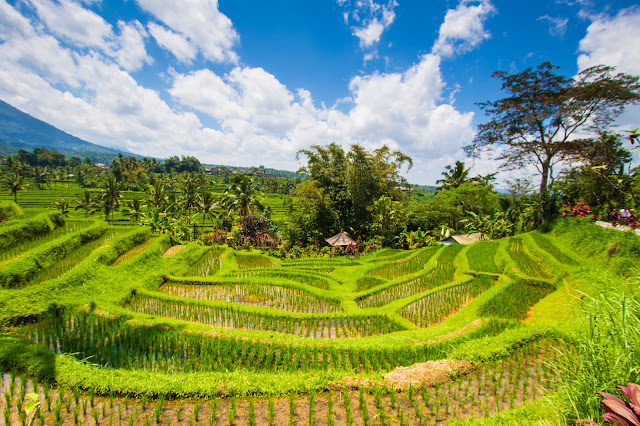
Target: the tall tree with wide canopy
(346, 184)
(538, 122)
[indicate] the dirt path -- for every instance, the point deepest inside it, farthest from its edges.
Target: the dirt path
(617, 227)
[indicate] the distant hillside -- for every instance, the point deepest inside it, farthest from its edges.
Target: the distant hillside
(19, 130)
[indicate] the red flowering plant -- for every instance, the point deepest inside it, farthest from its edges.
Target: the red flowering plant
(581, 209)
(619, 411)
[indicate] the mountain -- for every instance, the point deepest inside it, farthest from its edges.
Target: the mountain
(19, 130)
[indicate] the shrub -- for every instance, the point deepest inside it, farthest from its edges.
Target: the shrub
(22, 270)
(28, 229)
(9, 210)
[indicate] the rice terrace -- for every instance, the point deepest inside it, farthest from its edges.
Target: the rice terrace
(108, 325)
(416, 236)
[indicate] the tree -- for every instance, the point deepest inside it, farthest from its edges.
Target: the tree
(14, 182)
(347, 184)
(110, 195)
(86, 203)
(240, 196)
(538, 122)
(454, 176)
(601, 179)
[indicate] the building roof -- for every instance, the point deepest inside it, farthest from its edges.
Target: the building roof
(340, 239)
(465, 239)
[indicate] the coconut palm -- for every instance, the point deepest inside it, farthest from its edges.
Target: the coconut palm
(14, 182)
(189, 193)
(86, 203)
(206, 205)
(454, 176)
(110, 195)
(239, 196)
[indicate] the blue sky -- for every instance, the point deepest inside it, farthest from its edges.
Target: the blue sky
(245, 82)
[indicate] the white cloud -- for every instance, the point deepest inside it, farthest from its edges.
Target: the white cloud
(558, 25)
(463, 28)
(369, 34)
(259, 120)
(201, 25)
(368, 19)
(175, 43)
(609, 40)
(131, 53)
(84, 28)
(74, 23)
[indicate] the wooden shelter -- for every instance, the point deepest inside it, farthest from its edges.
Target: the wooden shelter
(463, 238)
(340, 239)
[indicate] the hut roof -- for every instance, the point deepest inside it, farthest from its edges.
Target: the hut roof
(465, 239)
(340, 239)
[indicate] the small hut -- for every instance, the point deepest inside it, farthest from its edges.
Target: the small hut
(340, 239)
(462, 238)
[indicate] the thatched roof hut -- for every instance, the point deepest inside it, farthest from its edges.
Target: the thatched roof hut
(340, 239)
(463, 238)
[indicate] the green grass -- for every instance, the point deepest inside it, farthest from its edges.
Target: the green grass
(516, 300)
(482, 257)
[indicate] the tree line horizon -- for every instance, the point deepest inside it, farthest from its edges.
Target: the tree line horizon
(545, 120)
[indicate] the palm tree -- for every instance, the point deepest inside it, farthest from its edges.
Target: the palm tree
(453, 176)
(14, 182)
(189, 196)
(134, 209)
(206, 203)
(85, 202)
(62, 205)
(158, 195)
(239, 196)
(110, 195)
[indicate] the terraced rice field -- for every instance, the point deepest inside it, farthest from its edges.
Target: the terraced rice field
(212, 335)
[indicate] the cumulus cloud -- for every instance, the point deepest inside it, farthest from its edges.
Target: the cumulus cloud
(200, 24)
(463, 28)
(368, 19)
(607, 42)
(83, 28)
(253, 117)
(175, 43)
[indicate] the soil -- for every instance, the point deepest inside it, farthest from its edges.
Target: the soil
(429, 373)
(173, 250)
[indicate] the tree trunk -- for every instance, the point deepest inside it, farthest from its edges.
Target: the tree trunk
(543, 198)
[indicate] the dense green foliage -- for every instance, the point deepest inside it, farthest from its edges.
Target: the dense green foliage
(18, 232)
(9, 210)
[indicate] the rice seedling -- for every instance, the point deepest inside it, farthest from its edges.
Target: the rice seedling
(74, 258)
(133, 252)
(481, 256)
(271, 414)
(365, 283)
(516, 300)
(443, 273)
(311, 405)
(69, 227)
(435, 307)
(292, 410)
(251, 418)
(313, 279)
(400, 268)
(208, 264)
(524, 261)
(276, 297)
(252, 261)
(545, 244)
(231, 317)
